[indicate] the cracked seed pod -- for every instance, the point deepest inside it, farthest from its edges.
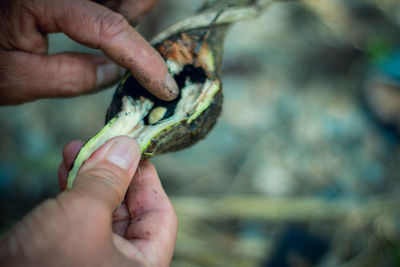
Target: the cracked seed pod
(161, 126)
(192, 50)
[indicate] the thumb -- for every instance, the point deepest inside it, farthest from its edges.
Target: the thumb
(106, 175)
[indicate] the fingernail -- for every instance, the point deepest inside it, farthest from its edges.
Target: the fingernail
(107, 74)
(172, 87)
(123, 153)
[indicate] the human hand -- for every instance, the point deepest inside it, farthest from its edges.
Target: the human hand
(79, 227)
(27, 73)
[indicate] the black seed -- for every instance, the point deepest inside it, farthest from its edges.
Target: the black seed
(195, 75)
(135, 90)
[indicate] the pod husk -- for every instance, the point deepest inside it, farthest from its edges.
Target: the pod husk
(209, 29)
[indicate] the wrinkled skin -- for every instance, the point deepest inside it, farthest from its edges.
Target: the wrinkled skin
(77, 229)
(81, 226)
(28, 73)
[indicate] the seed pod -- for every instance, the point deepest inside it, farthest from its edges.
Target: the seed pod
(192, 50)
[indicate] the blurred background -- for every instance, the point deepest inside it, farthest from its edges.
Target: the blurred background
(303, 166)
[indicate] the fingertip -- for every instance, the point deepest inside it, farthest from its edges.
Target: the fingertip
(62, 176)
(145, 170)
(70, 151)
(170, 89)
(165, 89)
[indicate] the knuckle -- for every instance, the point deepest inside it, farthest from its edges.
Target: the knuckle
(11, 79)
(8, 67)
(110, 24)
(16, 243)
(68, 85)
(70, 79)
(36, 43)
(35, 226)
(110, 177)
(80, 204)
(15, 34)
(48, 206)
(70, 204)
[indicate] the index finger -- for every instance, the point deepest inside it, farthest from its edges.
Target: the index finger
(132, 10)
(98, 27)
